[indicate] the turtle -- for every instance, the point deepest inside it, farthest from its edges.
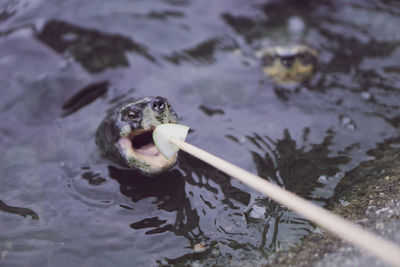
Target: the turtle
(289, 63)
(125, 135)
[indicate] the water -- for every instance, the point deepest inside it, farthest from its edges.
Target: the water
(64, 64)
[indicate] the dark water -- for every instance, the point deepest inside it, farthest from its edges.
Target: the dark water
(65, 63)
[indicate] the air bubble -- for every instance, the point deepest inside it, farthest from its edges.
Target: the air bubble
(366, 95)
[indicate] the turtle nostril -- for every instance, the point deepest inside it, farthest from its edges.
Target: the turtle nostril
(287, 61)
(159, 105)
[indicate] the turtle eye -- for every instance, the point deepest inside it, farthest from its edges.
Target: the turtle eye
(132, 114)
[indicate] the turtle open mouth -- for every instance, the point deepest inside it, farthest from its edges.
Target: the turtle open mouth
(139, 150)
(143, 143)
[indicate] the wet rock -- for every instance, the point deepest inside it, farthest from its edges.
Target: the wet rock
(373, 203)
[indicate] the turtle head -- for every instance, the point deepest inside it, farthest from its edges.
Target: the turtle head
(126, 135)
(290, 63)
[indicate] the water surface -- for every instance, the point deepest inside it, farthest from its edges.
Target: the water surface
(65, 64)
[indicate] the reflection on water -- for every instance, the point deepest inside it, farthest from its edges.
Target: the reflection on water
(91, 177)
(17, 210)
(201, 56)
(168, 191)
(84, 97)
(295, 168)
(95, 50)
(202, 175)
(269, 220)
(210, 111)
(205, 52)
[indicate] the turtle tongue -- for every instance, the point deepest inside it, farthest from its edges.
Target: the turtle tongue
(143, 144)
(148, 150)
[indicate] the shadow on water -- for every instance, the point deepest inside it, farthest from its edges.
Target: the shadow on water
(24, 212)
(4, 15)
(84, 97)
(95, 50)
(201, 174)
(168, 190)
(204, 53)
(170, 193)
(296, 168)
(10, 8)
(211, 111)
(93, 178)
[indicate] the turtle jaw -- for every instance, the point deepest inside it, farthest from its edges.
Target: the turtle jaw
(297, 72)
(140, 152)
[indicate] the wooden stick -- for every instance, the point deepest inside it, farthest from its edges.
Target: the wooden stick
(377, 246)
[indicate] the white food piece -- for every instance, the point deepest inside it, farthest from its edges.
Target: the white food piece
(164, 132)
